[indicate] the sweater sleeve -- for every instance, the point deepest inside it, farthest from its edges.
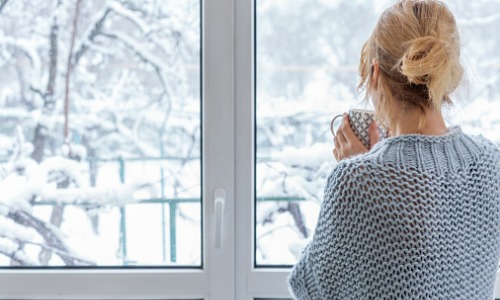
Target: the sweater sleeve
(301, 281)
(313, 268)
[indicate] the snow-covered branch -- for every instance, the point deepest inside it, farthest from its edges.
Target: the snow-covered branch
(16, 255)
(126, 13)
(27, 46)
(90, 34)
(158, 65)
(49, 235)
(119, 196)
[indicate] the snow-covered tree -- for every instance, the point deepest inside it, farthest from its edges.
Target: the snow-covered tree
(83, 82)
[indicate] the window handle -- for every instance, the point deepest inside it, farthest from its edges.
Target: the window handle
(219, 207)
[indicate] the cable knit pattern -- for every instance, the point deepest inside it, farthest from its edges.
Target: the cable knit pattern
(418, 217)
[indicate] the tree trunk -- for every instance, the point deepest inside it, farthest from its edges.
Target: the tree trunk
(69, 69)
(56, 216)
(294, 210)
(41, 129)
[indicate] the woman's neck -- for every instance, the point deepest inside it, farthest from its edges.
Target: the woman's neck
(408, 123)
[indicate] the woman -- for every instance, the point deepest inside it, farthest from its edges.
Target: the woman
(417, 216)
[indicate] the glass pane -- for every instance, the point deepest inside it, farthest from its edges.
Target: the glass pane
(307, 57)
(100, 133)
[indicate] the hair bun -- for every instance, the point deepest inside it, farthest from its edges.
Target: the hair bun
(428, 60)
(424, 57)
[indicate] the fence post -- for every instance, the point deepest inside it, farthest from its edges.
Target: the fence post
(123, 221)
(173, 231)
(163, 233)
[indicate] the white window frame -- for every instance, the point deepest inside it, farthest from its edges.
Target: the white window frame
(216, 279)
(253, 282)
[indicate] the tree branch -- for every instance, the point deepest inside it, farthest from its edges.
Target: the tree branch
(294, 210)
(91, 36)
(46, 232)
(148, 58)
(2, 4)
(61, 254)
(38, 92)
(69, 70)
(15, 258)
(143, 54)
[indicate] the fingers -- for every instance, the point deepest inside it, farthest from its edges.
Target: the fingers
(373, 134)
(346, 142)
(346, 129)
(336, 154)
(336, 142)
(339, 135)
(337, 149)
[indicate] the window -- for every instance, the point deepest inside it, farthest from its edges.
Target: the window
(101, 134)
(304, 77)
(306, 72)
(197, 141)
(306, 58)
(134, 209)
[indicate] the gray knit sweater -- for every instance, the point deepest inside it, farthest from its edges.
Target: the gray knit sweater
(418, 217)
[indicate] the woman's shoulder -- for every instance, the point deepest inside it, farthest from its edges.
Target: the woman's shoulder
(354, 168)
(488, 152)
(485, 143)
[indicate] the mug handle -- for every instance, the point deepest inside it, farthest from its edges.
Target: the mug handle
(333, 121)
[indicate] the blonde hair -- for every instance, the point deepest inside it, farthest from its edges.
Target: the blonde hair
(417, 46)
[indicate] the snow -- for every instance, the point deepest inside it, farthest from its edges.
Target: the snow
(70, 168)
(14, 231)
(28, 46)
(139, 49)
(4, 210)
(16, 193)
(6, 245)
(118, 196)
(79, 235)
(313, 155)
(119, 9)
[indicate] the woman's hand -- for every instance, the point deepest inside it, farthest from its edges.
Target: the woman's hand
(347, 143)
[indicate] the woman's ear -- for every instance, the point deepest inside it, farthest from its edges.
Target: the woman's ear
(375, 68)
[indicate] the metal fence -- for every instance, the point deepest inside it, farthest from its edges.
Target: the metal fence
(172, 204)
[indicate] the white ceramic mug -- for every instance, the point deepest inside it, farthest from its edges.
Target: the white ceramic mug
(360, 121)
